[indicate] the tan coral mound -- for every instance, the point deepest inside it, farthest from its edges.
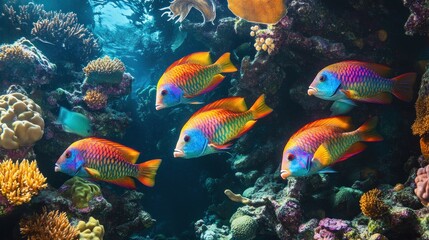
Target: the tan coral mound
(258, 11)
(104, 70)
(19, 182)
(91, 230)
(48, 226)
(21, 122)
(371, 204)
(95, 99)
(14, 54)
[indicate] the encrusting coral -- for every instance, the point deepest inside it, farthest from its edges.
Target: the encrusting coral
(91, 230)
(104, 70)
(372, 205)
(95, 100)
(20, 181)
(48, 226)
(422, 186)
(20, 120)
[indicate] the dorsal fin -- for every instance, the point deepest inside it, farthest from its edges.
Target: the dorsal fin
(380, 69)
(202, 58)
(234, 104)
(341, 122)
(129, 154)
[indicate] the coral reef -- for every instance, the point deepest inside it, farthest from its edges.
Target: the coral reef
(95, 100)
(84, 195)
(20, 181)
(91, 230)
(48, 225)
(104, 70)
(422, 186)
(22, 63)
(21, 121)
(20, 21)
(371, 204)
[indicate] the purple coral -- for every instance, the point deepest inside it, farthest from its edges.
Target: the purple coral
(418, 21)
(333, 224)
(422, 186)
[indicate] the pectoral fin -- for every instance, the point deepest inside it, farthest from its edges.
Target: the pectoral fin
(93, 172)
(221, 147)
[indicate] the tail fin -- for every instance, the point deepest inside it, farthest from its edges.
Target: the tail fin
(367, 131)
(225, 63)
(403, 86)
(147, 172)
(259, 108)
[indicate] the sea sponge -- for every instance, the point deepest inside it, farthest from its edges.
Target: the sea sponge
(91, 230)
(372, 205)
(422, 186)
(80, 191)
(104, 70)
(244, 228)
(20, 181)
(95, 99)
(48, 226)
(21, 122)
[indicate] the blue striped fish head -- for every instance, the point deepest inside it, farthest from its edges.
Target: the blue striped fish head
(192, 143)
(168, 95)
(70, 162)
(296, 162)
(326, 85)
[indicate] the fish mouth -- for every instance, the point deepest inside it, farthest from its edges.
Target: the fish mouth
(285, 174)
(159, 106)
(178, 153)
(57, 167)
(311, 91)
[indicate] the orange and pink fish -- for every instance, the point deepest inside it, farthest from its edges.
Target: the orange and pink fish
(212, 128)
(322, 143)
(350, 81)
(107, 161)
(189, 77)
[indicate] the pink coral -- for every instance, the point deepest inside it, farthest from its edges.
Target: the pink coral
(422, 186)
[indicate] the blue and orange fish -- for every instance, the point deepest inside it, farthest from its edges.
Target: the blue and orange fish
(190, 77)
(212, 127)
(349, 81)
(322, 143)
(107, 161)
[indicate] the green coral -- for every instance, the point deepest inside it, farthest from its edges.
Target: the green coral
(243, 228)
(80, 191)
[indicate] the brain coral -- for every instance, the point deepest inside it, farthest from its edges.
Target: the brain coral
(21, 122)
(243, 228)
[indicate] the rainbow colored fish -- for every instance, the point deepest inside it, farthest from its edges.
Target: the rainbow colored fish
(189, 77)
(349, 81)
(107, 161)
(319, 144)
(212, 128)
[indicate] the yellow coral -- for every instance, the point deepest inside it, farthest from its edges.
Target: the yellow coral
(14, 54)
(21, 122)
(91, 230)
(104, 70)
(371, 204)
(48, 226)
(20, 181)
(95, 99)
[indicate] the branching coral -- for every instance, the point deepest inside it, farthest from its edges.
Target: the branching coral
(104, 70)
(21, 123)
(20, 181)
(23, 18)
(95, 100)
(372, 205)
(47, 226)
(64, 31)
(14, 54)
(91, 230)
(422, 186)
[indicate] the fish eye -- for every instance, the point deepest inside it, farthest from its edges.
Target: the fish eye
(187, 138)
(68, 154)
(322, 78)
(164, 92)
(290, 157)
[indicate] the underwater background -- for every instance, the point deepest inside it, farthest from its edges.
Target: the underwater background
(53, 56)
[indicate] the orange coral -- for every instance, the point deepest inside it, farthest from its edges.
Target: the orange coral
(15, 54)
(95, 99)
(371, 204)
(421, 124)
(48, 226)
(104, 70)
(20, 181)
